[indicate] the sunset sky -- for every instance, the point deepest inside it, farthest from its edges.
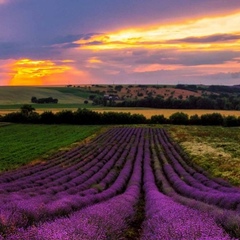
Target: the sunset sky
(60, 42)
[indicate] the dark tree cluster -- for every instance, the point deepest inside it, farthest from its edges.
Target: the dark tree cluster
(212, 88)
(213, 101)
(89, 117)
(80, 116)
(44, 100)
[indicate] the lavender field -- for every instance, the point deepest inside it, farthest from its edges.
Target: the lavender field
(127, 183)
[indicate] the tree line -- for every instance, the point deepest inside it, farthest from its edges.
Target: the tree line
(84, 116)
(213, 101)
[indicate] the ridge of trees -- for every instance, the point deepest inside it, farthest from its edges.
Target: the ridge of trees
(206, 102)
(84, 116)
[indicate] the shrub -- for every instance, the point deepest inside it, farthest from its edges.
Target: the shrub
(158, 119)
(231, 121)
(195, 120)
(179, 118)
(212, 119)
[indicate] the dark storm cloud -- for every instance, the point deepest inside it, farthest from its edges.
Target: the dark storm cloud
(208, 39)
(72, 38)
(16, 50)
(193, 58)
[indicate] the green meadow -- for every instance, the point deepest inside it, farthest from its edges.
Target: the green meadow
(21, 144)
(22, 95)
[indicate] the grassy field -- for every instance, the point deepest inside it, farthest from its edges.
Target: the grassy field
(20, 144)
(23, 95)
(216, 149)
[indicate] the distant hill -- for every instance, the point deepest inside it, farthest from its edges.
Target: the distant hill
(23, 95)
(78, 94)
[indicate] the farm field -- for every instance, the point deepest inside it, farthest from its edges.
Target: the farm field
(19, 144)
(72, 98)
(11, 95)
(137, 177)
(216, 149)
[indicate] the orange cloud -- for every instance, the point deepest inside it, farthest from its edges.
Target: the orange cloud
(33, 72)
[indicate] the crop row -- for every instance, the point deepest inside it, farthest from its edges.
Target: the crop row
(83, 192)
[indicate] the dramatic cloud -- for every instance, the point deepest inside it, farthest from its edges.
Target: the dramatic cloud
(64, 42)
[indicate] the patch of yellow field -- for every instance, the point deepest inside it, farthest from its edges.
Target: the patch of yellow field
(200, 148)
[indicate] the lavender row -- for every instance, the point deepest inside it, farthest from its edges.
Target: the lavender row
(106, 220)
(45, 207)
(59, 158)
(228, 219)
(219, 198)
(49, 175)
(101, 190)
(166, 219)
(226, 201)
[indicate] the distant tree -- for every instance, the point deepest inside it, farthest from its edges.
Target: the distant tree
(180, 96)
(118, 88)
(86, 102)
(34, 100)
(179, 118)
(44, 100)
(91, 97)
(48, 117)
(231, 121)
(64, 116)
(212, 119)
(98, 100)
(27, 109)
(195, 120)
(158, 119)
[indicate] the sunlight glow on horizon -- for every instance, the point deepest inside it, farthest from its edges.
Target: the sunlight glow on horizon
(33, 72)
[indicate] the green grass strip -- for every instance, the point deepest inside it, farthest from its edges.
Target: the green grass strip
(21, 144)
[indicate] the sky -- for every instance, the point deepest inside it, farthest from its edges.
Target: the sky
(60, 42)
